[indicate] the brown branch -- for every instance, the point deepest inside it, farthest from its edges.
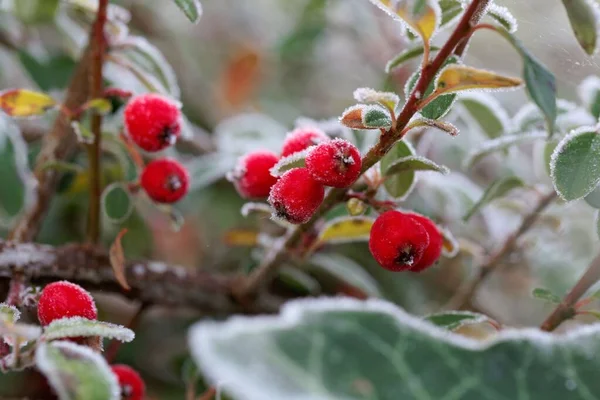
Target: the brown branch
(95, 149)
(463, 297)
(271, 263)
(151, 282)
(566, 309)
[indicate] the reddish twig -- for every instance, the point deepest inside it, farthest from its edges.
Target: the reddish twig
(113, 347)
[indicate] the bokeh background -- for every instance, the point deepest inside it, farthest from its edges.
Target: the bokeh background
(281, 60)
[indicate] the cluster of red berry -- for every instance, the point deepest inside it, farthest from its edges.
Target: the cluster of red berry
(405, 241)
(64, 300)
(153, 122)
(296, 195)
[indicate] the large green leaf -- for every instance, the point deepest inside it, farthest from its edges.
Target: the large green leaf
(583, 17)
(76, 372)
(487, 112)
(329, 349)
(191, 8)
(398, 185)
(574, 166)
(48, 73)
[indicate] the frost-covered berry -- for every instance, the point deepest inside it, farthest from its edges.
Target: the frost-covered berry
(165, 180)
(397, 241)
(296, 196)
(65, 299)
(132, 385)
(434, 249)
(302, 138)
(152, 121)
(334, 163)
(251, 175)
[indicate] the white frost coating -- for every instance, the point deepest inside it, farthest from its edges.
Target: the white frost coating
(574, 119)
(505, 15)
(500, 143)
(139, 270)
(375, 107)
(48, 367)
(294, 314)
(23, 331)
(588, 90)
(244, 133)
(492, 104)
(153, 54)
(283, 162)
(395, 4)
(157, 267)
(9, 313)
(22, 256)
(368, 95)
(78, 326)
(559, 149)
(449, 237)
(530, 113)
(252, 207)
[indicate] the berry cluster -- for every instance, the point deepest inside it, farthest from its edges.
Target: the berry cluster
(153, 122)
(405, 241)
(298, 193)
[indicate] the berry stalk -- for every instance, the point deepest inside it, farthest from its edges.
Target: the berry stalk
(95, 149)
(461, 33)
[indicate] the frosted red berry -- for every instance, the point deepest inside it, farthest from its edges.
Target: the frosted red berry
(296, 196)
(131, 383)
(301, 139)
(434, 249)
(152, 121)
(251, 175)
(63, 300)
(165, 180)
(334, 163)
(397, 241)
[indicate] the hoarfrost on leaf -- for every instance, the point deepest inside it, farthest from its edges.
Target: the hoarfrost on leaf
(78, 326)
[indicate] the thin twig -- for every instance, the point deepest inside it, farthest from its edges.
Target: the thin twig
(113, 347)
(566, 309)
(94, 149)
(272, 261)
(463, 297)
(210, 393)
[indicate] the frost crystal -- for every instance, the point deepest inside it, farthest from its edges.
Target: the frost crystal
(294, 160)
(78, 326)
(502, 14)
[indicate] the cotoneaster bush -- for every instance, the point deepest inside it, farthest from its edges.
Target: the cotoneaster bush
(416, 245)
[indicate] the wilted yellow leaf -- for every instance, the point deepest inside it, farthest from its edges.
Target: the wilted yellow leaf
(117, 260)
(423, 19)
(346, 229)
(25, 103)
(241, 237)
(455, 78)
(101, 106)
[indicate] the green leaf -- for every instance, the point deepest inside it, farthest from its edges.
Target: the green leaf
(9, 313)
(539, 81)
(346, 270)
(415, 163)
(487, 112)
(405, 56)
(438, 107)
(450, 10)
(497, 189)
(593, 199)
(546, 295)
(574, 167)
(296, 160)
(501, 143)
(583, 17)
(51, 73)
(374, 117)
(349, 349)
(548, 150)
(299, 281)
(191, 8)
(76, 372)
(452, 320)
(503, 16)
(35, 11)
(399, 185)
(117, 204)
(78, 326)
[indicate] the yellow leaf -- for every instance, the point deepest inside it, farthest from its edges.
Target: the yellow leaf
(117, 260)
(450, 245)
(25, 103)
(346, 229)
(241, 237)
(101, 106)
(455, 78)
(423, 20)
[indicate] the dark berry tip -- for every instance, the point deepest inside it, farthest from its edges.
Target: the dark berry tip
(406, 255)
(173, 183)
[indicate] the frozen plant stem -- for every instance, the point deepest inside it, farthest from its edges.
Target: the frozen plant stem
(262, 275)
(95, 149)
(464, 297)
(566, 309)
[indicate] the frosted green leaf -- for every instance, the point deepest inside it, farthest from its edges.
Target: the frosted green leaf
(78, 326)
(504, 17)
(346, 270)
(117, 204)
(191, 8)
(415, 163)
(9, 313)
(575, 164)
(76, 372)
(487, 112)
(346, 349)
(583, 16)
(546, 295)
(453, 320)
(405, 56)
(374, 117)
(399, 185)
(367, 95)
(451, 9)
(36, 11)
(295, 160)
(501, 143)
(497, 189)
(299, 281)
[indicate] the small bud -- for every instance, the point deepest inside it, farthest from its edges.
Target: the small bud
(356, 207)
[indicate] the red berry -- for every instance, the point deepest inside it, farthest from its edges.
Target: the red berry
(65, 299)
(302, 138)
(296, 196)
(436, 241)
(397, 241)
(165, 180)
(132, 385)
(334, 163)
(152, 121)
(251, 175)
